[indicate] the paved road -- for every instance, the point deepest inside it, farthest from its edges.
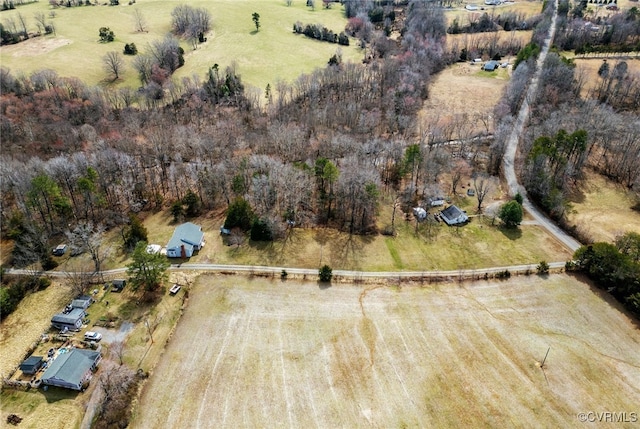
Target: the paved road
(514, 139)
(346, 274)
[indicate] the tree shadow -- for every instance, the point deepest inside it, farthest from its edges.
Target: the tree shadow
(511, 233)
(324, 285)
(349, 249)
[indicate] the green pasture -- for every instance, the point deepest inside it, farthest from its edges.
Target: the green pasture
(264, 57)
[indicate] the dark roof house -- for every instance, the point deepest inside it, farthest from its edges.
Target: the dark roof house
(452, 215)
(72, 369)
(187, 238)
(71, 320)
(31, 365)
(491, 66)
(118, 285)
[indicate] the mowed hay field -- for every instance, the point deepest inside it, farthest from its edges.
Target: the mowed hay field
(263, 353)
(274, 53)
(604, 209)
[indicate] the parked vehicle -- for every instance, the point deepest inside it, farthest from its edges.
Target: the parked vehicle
(60, 250)
(92, 336)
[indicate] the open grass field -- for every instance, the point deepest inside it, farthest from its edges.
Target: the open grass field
(463, 89)
(589, 68)
(274, 53)
(526, 7)
(260, 353)
(604, 209)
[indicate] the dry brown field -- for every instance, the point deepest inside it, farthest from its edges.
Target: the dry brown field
(528, 8)
(263, 353)
(604, 209)
(588, 68)
(463, 92)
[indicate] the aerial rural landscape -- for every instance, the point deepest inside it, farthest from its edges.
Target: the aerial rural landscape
(305, 213)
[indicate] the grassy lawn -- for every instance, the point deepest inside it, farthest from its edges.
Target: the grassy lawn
(274, 53)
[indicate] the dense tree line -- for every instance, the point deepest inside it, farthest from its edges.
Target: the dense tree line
(319, 32)
(614, 267)
(493, 22)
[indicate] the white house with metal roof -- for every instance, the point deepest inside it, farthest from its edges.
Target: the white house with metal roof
(186, 239)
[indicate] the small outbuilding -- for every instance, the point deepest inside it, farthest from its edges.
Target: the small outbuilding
(72, 369)
(31, 365)
(72, 319)
(83, 302)
(118, 284)
(452, 215)
(436, 201)
(187, 238)
(420, 213)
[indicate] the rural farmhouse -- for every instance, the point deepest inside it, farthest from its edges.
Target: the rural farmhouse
(70, 319)
(72, 370)
(187, 238)
(452, 215)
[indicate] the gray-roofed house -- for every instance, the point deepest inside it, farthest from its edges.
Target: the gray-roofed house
(491, 66)
(82, 302)
(72, 370)
(71, 320)
(31, 365)
(452, 215)
(186, 239)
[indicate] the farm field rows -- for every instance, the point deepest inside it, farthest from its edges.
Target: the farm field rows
(255, 352)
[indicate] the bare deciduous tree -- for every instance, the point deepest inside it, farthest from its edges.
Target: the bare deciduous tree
(78, 277)
(88, 237)
(116, 351)
(482, 184)
(113, 64)
(140, 22)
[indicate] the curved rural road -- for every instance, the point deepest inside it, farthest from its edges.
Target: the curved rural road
(514, 138)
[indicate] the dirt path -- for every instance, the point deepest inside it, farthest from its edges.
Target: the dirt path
(514, 139)
(263, 353)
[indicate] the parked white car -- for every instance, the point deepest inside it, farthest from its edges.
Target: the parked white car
(92, 336)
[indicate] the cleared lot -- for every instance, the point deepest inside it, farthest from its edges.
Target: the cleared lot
(261, 353)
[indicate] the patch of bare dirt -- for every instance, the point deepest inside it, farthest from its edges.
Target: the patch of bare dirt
(34, 46)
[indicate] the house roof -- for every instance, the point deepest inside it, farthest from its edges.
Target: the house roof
(453, 215)
(30, 362)
(81, 301)
(71, 367)
(187, 233)
(70, 317)
(491, 65)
